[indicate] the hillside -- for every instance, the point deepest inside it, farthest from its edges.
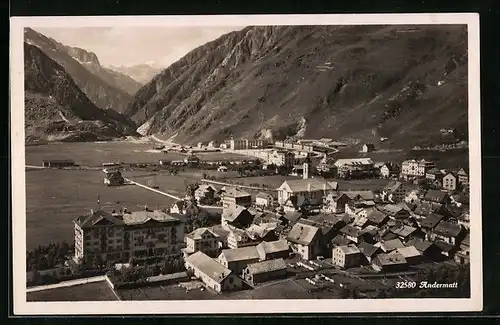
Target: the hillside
(114, 78)
(104, 87)
(354, 83)
(57, 110)
(142, 73)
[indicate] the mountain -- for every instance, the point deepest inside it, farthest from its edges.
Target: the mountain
(102, 86)
(351, 83)
(142, 73)
(57, 110)
(114, 78)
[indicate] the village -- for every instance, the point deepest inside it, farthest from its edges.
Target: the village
(313, 231)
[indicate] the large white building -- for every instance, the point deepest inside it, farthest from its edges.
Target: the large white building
(416, 168)
(292, 194)
(119, 236)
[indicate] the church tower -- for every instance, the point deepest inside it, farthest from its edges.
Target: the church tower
(306, 168)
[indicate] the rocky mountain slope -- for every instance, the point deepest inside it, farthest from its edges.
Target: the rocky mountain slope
(354, 83)
(114, 78)
(57, 110)
(104, 87)
(142, 73)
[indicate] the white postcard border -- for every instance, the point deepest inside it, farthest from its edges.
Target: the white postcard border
(22, 307)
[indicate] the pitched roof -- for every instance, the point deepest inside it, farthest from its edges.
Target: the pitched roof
(431, 220)
(240, 254)
(233, 212)
(403, 230)
(208, 266)
(443, 246)
(198, 233)
(221, 231)
(143, 216)
(448, 229)
(390, 245)
(435, 196)
(293, 216)
(273, 247)
(353, 161)
(368, 249)
(462, 172)
(420, 244)
(434, 171)
(426, 208)
(407, 252)
(364, 195)
(95, 217)
(390, 209)
(303, 234)
(234, 192)
(267, 266)
(376, 216)
(301, 185)
(340, 240)
(263, 195)
(391, 259)
(392, 186)
(349, 249)
(350, 231)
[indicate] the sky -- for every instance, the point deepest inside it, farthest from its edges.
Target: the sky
(117, 46)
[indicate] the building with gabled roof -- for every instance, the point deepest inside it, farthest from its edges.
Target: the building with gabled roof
(369, 251)
(204, 240)
(232, 196)
(295, 194)
(463, 177)
(448, 232)
(237, 216)
(273, 249)
(388, 246)
(394, 211)
(305, 240)
(389, 262)
(237, 259)
(450, 181)
(346, 256)
(436, 196)
(213, 274)
(406, 233)
(259, 272)
(410, 253)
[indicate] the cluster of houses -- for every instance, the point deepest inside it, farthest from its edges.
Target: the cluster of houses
(388, 231)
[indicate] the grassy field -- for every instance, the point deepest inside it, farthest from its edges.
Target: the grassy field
(55, 197)
(175, 185)
(96, 291)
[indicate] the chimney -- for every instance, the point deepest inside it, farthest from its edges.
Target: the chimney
(309, 187)
(324, 187)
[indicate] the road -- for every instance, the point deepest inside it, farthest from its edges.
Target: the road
(69, 283)
(169, 195)
(236, 185)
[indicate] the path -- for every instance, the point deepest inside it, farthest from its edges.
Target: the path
(36, 167)
(236, 185)
(167, 194)
(69, 283)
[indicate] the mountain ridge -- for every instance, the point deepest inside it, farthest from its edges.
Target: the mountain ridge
(98, 83)
(354, 83)
(56, 109)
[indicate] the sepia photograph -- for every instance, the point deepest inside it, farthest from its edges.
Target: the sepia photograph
(289, 163)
